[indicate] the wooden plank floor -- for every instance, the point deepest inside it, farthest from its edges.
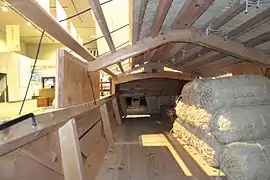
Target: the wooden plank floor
(143, 150)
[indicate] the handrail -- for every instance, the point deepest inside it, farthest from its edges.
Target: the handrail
(23, 133)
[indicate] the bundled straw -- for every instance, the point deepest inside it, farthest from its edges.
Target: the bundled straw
(247, 160)
(212, 94)
(243, 123)
(231, 124)
(206, 144)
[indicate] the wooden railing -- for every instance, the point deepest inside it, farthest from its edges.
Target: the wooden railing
(68, 143)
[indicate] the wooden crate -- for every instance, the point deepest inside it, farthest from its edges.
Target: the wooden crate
(43, 102)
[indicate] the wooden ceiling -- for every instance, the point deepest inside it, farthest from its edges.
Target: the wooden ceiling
(192, 36)
(227, 19)
(220, 26)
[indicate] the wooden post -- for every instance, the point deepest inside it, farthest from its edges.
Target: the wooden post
(116, 110)
(70, 151)
(112, 86)
(106, 123)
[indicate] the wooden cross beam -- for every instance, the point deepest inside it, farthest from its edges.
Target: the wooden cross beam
(212, 41)
(97, 10)
(147, 75)
(36, 14)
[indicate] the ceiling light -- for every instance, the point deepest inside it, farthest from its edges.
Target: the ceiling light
(29, 24)
(4, 9)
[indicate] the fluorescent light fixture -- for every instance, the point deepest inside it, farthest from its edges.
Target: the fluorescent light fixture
(136, 65)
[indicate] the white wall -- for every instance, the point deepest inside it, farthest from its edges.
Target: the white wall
(117, 15)
(3, 47)
(18, 69)
(47, 51)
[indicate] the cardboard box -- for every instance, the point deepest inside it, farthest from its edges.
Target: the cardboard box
(43, 102)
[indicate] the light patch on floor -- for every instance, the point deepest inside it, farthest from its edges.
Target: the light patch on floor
(210, 171)
(161, 140)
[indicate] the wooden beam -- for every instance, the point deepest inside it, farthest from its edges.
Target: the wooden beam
(97, 10)
(192, 57)
(249, 25)
(133, 69)
(162, 10)
(242, 29)
(212, 41)
(106, 70)
(262, 38)
(70, 152)
(224, 63)
(116, 110)
(235, 9)
(203, 60)
(139, 7)
(216, 24)
(48, 122)
(161, 52)
(106, 123)
(36, 14)
(144, 75)
(121, 67)
(189, 13)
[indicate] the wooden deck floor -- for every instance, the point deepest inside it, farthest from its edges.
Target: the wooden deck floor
(143, 150)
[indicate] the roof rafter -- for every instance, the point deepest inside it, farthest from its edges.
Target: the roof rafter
(225, 63)
(222, 64)
(216, 24)
(36, 14)
(106, 70)
(188, 36)
(189, 13)
(260, 39)
(256, 21)
(97, 10)
(162, 10)
(139, 7)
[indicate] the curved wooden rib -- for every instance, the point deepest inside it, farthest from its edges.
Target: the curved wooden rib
(212, 41)
(139, 76)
